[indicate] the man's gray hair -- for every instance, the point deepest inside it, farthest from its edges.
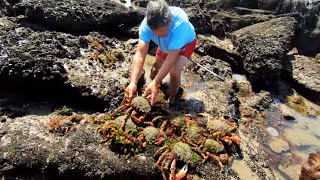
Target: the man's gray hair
(158, 14)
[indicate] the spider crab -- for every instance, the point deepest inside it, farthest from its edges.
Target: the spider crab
(170, 154)
(138, 108)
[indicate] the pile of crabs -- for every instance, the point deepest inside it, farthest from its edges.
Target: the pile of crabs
(180, 140)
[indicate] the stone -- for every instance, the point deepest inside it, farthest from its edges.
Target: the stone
(279, 145)
(272, 132)
(80, 16)
(217, 66)
(219, 49)
(264, 47)
(61, 64)
(286, 112)
(218, 100)
(305, 74)
(259, 101)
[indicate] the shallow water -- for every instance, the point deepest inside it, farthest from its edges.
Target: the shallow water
(301, 135)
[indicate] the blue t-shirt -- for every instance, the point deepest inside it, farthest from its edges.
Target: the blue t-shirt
(180, 33)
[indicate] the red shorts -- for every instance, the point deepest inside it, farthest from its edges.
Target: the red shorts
(186, 51)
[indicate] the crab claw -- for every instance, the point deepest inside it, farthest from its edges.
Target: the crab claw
(173, 170)
(182, 173)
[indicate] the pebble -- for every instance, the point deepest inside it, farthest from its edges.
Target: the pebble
(272, 132)
(279, 145)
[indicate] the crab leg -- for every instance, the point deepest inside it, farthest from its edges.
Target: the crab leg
(217, 159)
(182, 173)
(157, 165)
(173, 170)
(125, 106)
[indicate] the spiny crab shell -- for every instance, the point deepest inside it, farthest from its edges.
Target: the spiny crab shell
(220, 125)
(212, 146)
(141, 104)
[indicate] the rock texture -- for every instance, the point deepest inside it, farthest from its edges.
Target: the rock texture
(79, 16)
(264, 47)
(220, 49)
(305, 73)
(53, 62)
(217, 66)
(218, 100)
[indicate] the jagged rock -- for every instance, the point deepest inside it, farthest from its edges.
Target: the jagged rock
(217, 66)
(58, 63)
(26, 143)
(305, 74)
(79, 16)
(259, 101)
(264, 47)
(286, 112)
(218, 100)
(220, 49)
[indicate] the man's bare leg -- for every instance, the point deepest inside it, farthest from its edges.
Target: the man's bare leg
(155, 67)
(175, 78)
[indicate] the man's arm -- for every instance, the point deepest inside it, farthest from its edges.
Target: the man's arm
(138, 61)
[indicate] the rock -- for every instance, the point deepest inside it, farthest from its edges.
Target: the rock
(54, 63)
(218, 100)
(217, 66)
(219, 49)
(305, 74)
(286, 112)
(308, 37)
(272, 132)
(279, 145)
(27, 143)
(264, 47)
(299, 138)
(79, 16)
(259, 101)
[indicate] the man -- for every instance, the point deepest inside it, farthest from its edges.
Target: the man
(170, 29)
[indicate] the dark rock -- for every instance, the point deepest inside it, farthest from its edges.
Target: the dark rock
(58, 63)
(308, 37)
(79, 16)
(217, 66)
(220, 49)
(305, 74)
(259, 101)
(264, 47)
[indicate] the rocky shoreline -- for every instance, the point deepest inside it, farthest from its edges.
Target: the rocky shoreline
(78, 53)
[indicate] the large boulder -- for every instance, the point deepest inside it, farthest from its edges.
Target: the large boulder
(305, 74)
(219, 67)
(264, 47)
(79, 16)
(219, 49)
(27, 144)
(85, 67)
(218, 100)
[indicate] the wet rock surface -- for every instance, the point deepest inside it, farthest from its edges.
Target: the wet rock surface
(264, 47)
(305, 73)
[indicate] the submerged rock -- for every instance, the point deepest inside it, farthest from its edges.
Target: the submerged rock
(264, 47)
(279, 145)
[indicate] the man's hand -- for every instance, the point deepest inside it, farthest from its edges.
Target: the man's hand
(151, 92)
(131, 90)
